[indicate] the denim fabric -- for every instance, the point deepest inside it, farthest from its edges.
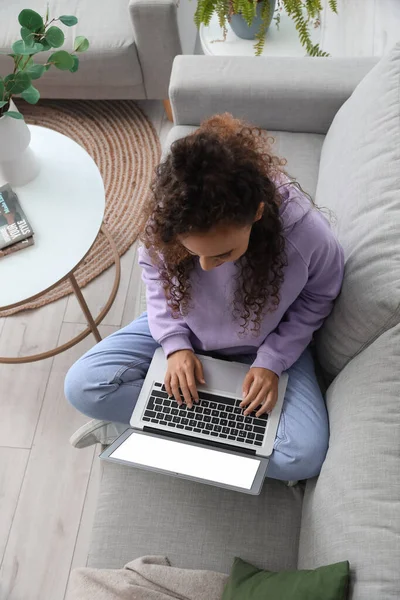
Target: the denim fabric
(105, 384)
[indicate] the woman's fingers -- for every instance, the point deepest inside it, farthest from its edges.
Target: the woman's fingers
(167, 383)
(175, 388)
(272, 400)
(185, 389)
(255, 403)
(267, 405)
(263, 403)
(247, 384)
(191, 383)
(198, 370)
(252, 395)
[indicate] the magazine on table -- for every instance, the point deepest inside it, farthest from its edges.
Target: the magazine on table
(17, 247)
(16, 232)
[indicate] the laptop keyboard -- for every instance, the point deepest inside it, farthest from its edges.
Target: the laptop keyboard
(215, 416)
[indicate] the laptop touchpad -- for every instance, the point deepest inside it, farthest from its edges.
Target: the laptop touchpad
(223, 375)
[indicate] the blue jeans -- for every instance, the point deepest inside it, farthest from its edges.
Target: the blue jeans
(105, 384)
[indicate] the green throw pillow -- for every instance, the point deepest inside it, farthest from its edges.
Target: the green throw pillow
(249, 583)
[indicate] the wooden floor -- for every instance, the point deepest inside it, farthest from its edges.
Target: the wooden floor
(47, 488)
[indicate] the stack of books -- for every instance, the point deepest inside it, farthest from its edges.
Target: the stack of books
(15, 230)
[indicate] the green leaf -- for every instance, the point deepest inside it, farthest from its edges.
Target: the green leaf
(68, 20)
(62, 60)
(21, 48)
(1, 88)
(31, 95)
(27, 36)
(24, 63)
(13, 114)
(35, 71)
(45, 44)
(81, 44)
(30, 19)
(55, 37)
(76, 64)
(17, 82)
(3, 103)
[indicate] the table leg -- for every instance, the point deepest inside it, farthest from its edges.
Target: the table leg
(92, 327)
(85, 308)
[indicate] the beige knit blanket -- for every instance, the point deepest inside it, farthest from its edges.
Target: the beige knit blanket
(146, 578)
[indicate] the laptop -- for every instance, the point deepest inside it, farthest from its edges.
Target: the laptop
(213, 442)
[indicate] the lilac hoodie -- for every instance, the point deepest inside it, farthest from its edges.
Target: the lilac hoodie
(312, 280)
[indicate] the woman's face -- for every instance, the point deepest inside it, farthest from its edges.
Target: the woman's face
(222, 243)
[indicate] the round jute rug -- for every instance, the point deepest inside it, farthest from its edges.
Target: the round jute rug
(126, 148)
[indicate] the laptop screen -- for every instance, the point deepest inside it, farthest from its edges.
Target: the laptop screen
(188, 460)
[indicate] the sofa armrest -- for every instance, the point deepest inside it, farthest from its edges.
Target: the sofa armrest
(351, 512)
(283, 94)
(163, 29)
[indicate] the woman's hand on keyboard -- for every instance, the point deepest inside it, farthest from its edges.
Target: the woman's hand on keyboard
(260, 391)
(183, 369)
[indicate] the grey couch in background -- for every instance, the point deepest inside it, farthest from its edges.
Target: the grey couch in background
(342, 141)
(132, 46)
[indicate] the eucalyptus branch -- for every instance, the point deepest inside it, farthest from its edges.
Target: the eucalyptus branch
(27, 61)
(38, 36)
(16, 64)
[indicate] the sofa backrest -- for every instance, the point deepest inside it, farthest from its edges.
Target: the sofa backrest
(359, 180)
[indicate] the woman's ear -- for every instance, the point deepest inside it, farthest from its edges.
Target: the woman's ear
(260, 212)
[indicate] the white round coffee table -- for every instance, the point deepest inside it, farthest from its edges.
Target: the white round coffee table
(65, 207)
(284, 42)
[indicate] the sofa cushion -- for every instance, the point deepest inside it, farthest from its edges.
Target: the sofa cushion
(195, 525)
(246, 581)
(359, 180)
(111, 59)
(352, 511)
(301, 150)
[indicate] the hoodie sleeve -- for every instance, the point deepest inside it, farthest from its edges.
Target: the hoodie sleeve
(283, 346)
(170, 332)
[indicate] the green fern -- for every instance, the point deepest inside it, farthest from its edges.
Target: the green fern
(248, 10)
(315, 50)
(260, 36)
(222, 6)
(236, 6)
(295, 11)
(303, 12)
(312, 9)
(333, 5)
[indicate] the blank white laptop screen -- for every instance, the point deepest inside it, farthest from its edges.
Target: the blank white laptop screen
(192, 461)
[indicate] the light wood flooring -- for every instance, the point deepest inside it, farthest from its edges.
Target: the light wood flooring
(48, 489)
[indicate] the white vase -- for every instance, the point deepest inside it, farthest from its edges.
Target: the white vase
(18, 163)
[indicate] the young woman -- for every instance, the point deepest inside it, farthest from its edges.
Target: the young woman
(237, 262)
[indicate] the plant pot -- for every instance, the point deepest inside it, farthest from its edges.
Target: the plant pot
(240, 27)
(18, 163)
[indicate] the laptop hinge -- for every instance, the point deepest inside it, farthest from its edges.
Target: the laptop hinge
(205, 442)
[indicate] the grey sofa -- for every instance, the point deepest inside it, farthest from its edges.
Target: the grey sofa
(132, 46)
(342, 141)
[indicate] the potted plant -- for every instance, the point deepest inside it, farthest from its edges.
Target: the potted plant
(18, 164)
(251, 19)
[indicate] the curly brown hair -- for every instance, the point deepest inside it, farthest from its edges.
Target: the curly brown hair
(219, 175)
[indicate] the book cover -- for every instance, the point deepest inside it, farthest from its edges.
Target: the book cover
(17, 246)
(14, 226)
